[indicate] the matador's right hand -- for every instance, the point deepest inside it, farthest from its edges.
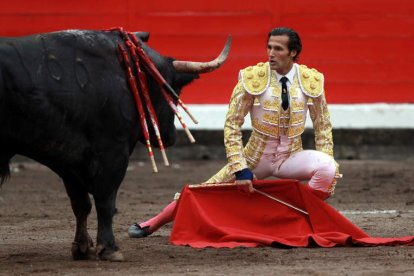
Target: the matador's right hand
(245, 185)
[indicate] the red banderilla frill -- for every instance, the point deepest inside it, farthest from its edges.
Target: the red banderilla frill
(138, 54)
(144, 89)
(138, 102)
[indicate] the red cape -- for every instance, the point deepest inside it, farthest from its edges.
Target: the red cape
(226, 217)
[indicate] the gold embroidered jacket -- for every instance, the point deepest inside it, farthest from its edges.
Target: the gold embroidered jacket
(259, 93)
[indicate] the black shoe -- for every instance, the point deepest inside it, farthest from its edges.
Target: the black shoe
(136, 231)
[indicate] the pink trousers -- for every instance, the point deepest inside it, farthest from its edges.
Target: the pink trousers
(313, 166)
(316, 167)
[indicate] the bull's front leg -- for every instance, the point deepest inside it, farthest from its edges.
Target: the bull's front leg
(106, 248)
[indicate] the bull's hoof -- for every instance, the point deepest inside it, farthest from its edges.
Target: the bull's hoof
(82, 248)
(105, 254)
(80, 252)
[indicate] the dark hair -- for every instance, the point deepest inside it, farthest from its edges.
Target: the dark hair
(294, 40)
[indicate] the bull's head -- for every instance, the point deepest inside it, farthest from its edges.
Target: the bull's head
(178, 74)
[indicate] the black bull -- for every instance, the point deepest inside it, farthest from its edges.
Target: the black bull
(65, 102)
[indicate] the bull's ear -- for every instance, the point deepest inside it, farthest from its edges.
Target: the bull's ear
(144, 36)
(183, 79)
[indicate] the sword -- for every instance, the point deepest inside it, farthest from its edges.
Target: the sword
(280, 201)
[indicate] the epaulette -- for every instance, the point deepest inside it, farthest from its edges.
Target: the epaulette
(256, 79)
(311, 81)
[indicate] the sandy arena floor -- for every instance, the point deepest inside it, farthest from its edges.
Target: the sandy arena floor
(37, 226)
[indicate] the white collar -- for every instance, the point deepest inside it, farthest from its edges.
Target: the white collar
(289, 75)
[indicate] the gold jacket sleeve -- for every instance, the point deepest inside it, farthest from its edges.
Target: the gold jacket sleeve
(240, 104)
(323, 130)
(322, 125)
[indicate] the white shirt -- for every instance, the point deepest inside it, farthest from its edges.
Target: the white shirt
(290, 75)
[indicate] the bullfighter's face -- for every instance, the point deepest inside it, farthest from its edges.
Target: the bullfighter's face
(280, 58)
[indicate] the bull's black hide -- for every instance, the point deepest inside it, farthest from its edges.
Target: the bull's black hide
(65, 102)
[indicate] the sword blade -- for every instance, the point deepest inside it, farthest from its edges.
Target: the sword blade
(280, 201)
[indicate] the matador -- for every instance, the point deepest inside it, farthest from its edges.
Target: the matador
(278, 95)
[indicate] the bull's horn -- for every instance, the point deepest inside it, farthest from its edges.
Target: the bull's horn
(144, 36)
(203, 67)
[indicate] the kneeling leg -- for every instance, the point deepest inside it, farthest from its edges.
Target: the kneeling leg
(316, 167)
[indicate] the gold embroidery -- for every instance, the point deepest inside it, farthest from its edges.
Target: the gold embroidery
(240, 104)
(252, 152)
(296, 130)
(265, 129)
(311, 81)
(331, 189)
(293, 92)
(234, 159)
(297, 117)
(232, 151)
(322, 125)
(284, 121)
(271, 105)
(261, 73)
(254, 149)
(223, 175)
(256, 79)
(297, 106)
(296, 144)
(276, 92)
(271, 118)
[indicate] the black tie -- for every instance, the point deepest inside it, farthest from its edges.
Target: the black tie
(285, 97)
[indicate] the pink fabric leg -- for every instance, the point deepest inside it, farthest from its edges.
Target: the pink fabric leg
(321, 194)
(315, 166)
(264, 167)
(164, 217)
